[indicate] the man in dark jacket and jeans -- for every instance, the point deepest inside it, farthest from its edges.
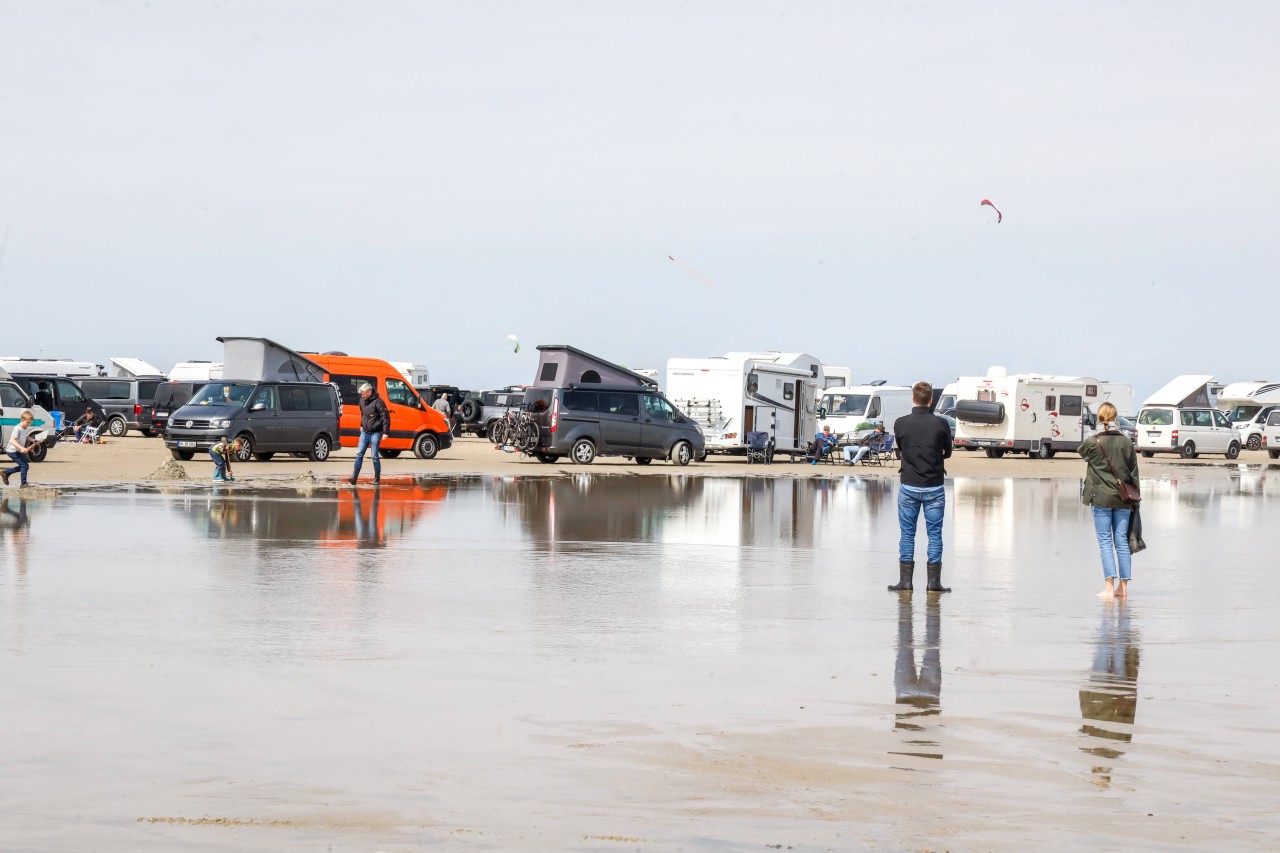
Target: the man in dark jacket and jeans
(924, 439)
(374, 423)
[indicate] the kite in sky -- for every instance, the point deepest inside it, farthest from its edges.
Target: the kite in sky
(999, 215)
(691, 271)
(514, 340)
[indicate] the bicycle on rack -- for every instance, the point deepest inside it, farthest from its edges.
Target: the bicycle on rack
(517, 431)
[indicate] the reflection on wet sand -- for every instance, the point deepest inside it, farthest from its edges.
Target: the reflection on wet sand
(15, 527)
(1109, 702)
(919, 688)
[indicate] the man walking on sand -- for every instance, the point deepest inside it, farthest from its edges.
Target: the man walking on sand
(374, 423)
(924, 439)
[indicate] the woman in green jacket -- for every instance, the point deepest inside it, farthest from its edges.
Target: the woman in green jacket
(1104, 462)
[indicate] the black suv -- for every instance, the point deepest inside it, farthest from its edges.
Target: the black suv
(127, 401)
(170, 396)
(479, 412)
(59, 394)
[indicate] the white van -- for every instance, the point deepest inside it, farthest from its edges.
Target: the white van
(12, 401)
(1271, 435)
(846, 409)
(1181, 418)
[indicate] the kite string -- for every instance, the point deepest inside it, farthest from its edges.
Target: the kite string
(691, 271)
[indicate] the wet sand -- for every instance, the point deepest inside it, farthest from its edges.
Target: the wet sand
(133, 458)
(656, 663)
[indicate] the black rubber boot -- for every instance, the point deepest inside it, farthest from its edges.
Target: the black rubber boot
(905, 571)
(935, 578)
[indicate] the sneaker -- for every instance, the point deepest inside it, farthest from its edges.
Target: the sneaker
(351, 480)
(5, 477)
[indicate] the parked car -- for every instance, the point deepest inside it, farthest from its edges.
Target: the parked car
(267, 417)
(1250, 429)
(126, 400)
(1188, 431)
(1128, 427)
(59, 394)
(479, 412)
(1271, 435)
(589, 420)
(169, 397)
(13, 400)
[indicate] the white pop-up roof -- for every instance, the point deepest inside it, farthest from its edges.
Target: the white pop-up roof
(263, 359)
(1187, 390)
(134, 367)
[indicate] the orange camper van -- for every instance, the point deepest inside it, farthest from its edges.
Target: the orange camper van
(414, 424)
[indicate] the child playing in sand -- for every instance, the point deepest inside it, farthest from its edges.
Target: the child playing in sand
(20, 444)
(221, 453)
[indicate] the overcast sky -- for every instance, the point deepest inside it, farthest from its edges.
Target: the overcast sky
(418, 180)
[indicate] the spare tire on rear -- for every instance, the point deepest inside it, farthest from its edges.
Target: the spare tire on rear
(470, 411)
(980, 412)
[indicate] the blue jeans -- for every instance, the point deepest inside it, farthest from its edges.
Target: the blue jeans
(911, 499)
(21, 459)
(1112, 527)
(369, 440)
(853, 454)
(219, 466)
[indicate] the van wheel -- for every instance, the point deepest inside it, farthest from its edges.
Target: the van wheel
(1233, 450)
(643, 460)
(547, 458)
(319, 449)
(1274, 454)
(994, 453)
(148, 433)
(40, 452)
(183, 455)
(583, 451)
(1147, 454)
(245, 453)
(470, 411)
(263, 457)
(1189, 450)
(425, 446)
(682, 453)
(1046, 451)
(388, 454)
(116, 426)
(1255, 442)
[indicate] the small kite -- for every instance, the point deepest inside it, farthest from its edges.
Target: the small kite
(516, 341)
(691, 271)
(999, 215)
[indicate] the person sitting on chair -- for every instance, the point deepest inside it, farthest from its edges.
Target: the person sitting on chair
(823, 442)
(84, 423)
(854, 452)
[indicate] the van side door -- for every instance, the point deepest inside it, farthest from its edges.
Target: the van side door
(405, 410)
(1224, 433)
(620, 421)
(657, 418)
(262, 417)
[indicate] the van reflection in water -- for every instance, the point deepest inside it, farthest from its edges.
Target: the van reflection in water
(918, 688)
(1109, 702)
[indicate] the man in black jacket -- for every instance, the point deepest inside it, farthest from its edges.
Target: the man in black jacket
(924, 439)
(374, 423)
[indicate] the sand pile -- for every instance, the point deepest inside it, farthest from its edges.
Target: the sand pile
(170, 470)
(33, 492)
(306, 478)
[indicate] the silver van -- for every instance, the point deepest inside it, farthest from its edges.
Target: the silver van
(267, 417)
(589, 420)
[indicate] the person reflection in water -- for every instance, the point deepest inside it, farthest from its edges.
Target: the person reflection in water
(1109, 701)
(921, 689)
(15, 526)
(368, 529)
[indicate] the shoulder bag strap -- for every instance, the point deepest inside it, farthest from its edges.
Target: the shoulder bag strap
(1106, 458)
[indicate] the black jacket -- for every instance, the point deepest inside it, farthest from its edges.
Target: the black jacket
(373, 415)
(924, 440)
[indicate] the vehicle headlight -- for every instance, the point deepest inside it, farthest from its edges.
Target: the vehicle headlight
(221, 424)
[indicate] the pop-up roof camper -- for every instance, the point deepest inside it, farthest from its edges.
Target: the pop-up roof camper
(264, 360)
(131, 367)
(196, 371)
(560, 365)
(1187, 390)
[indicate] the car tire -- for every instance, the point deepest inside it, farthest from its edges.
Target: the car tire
(116, 426)
(583, 452)
(470, 411)
(682, 453)
(245, 453)
(147, 433)
(321, 447)
(183, 455)
(643, 460)
(263, 457)
(426, 446)
(1254, 443)
(389, 454)
(994, 453)
(1233, 450)
(547, 458)
(1147, 454)
(1045, 451)
(1189, 450)
(39, 453)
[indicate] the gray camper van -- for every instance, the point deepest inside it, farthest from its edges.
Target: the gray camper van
(267, 417)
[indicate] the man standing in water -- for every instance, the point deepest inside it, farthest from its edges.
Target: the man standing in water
(924, 440)
(374, 423)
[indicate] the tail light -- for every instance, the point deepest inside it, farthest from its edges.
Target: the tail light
(1175, 438)
(555, 413)
(137, 409)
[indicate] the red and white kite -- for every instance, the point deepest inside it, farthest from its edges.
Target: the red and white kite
(999, 215)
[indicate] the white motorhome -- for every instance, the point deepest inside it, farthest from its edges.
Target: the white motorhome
(837, 377)
(846, 409)
(1248, 405)
(1028, 413)
(416, 375)
(196, 371)
(740, 392)
(947, 399)
(131, 367)
(51, 366)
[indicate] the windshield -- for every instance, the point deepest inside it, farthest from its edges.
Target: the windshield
(1156, 417)
(945, 403)
(845, 404)
(1242, 413)
(219, 394)
(1121, 420)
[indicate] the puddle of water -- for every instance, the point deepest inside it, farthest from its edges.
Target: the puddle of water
(563, 662)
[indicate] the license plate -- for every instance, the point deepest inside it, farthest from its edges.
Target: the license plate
(186, 444)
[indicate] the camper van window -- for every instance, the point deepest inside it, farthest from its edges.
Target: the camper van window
(1221, 419)
(319, 399)
(874, 411)
(581, 401)
(658, 409)
(987, 395)
(348, 387)
(590, 377)
(1091, 390)
(266, 396)
(1273, 419)
(549, 371)
(789, 391)
(1242, 413)
(1071, 406)
(1155, 417)
(1050, 403)
(11, 395)
(100, 389)
(147, 390)
(1187, 418)
(293, 400)
(753, 383)
(401, 394)
(620, 404)
(216, 394)
(69, 392)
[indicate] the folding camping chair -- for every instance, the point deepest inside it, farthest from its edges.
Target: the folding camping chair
(881, 453)
(759, 447)
(89, 435)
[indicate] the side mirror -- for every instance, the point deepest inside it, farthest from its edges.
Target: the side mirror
(258, 407)
(822, 413)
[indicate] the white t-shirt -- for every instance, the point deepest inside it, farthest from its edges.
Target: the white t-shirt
(20, 438)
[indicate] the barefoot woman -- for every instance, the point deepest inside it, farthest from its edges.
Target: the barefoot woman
(1109, 455)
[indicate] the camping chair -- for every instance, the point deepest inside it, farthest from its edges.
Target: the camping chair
(759, 447)
(881, 453)
(89, 435)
